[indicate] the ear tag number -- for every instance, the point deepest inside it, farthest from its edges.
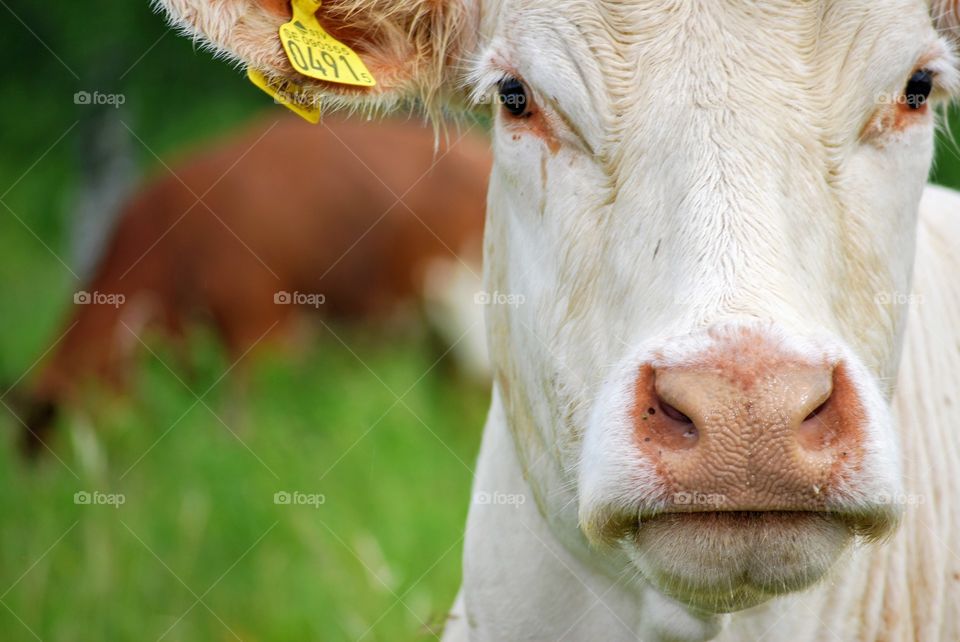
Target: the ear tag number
(315, 53)
(286, 93)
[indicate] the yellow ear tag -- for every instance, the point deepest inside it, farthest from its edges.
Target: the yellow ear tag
(315, 53)
(286, 93)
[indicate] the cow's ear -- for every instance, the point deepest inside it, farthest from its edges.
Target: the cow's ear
(413, 49)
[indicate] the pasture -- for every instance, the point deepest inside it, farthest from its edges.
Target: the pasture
(184, 536)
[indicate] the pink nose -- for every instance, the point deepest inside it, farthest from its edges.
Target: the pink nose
(748, 430)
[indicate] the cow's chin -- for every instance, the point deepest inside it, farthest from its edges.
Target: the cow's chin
(719, 562)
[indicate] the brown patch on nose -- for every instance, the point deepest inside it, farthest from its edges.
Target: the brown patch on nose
(747, 427)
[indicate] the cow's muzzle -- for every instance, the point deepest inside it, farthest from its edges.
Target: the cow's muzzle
(742, 465)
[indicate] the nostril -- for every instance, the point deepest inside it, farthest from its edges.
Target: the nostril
(660, 425)
(673, 413)
(818, 429)
(819, 409)
(676, 430)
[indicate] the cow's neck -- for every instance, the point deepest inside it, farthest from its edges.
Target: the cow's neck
(916, 576)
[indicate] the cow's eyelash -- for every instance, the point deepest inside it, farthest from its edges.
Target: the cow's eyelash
(486, 88)
(489, 70)
(945, 71)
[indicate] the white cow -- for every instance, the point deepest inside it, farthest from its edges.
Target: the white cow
(705, 217)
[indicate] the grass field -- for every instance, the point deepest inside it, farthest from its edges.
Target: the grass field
(378, 439)
(373, 553)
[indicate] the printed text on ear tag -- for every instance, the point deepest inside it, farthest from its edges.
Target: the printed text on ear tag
(315, 53)
(286, 93)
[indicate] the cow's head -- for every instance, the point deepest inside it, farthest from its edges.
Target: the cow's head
(701, 229)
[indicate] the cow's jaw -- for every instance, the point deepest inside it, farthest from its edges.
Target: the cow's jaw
(722, 531)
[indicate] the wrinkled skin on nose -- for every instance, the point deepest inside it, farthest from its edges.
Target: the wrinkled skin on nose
(743, 462)
(748, 432)
(741, 419)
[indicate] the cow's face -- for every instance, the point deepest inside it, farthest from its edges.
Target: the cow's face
(699, 245)
(705, 216)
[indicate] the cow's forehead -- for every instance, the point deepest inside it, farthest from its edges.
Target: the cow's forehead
(615, 27)
(613, 64)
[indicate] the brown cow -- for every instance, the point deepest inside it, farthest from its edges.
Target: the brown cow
(343, 217)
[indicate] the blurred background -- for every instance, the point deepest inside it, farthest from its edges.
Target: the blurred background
(215, 467)
(214, 428)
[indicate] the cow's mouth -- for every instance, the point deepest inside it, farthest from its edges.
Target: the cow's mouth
(720, 561)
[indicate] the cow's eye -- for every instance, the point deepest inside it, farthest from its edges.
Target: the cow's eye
(918, 89)
(513, 96)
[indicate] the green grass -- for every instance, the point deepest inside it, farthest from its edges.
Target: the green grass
(378, 559)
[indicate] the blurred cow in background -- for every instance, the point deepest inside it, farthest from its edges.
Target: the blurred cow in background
(346, 219)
